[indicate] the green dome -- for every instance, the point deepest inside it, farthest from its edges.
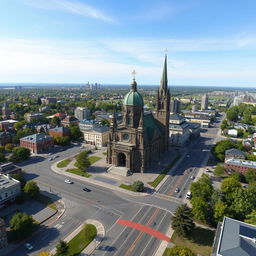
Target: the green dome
(133, 98)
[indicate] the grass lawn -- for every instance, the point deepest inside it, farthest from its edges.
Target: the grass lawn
(63, 163)
(46, 201)
(161, 176)
(78, 172)
(93, 159)
(82, 239)
(127, 187)
(104, 153)
(200, 241)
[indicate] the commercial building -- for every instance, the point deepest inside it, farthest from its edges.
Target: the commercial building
(239, 165)
(9, 189)
(33, 117)
(97, 136)
(202, 119)
(82, 113)
(37, 143)
(174, 106)
(59, 131)
(204, 102)
(178, 130)
(49, 100)
(234, 238)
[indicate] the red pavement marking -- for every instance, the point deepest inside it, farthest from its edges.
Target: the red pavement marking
(144, 229)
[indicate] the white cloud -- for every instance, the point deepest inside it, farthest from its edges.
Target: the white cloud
(73, 7)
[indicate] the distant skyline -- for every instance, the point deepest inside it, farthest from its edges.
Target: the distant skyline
(64, 41)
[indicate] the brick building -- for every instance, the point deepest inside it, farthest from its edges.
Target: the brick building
(59, 131)
(239, 165)
(37, 143)
(68, 120)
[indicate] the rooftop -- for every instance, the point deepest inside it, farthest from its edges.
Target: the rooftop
(237, 238)
(234, 151)
(246, 163)
(37, 137)
(6, 181)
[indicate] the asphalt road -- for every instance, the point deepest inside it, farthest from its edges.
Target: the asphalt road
(109, 206)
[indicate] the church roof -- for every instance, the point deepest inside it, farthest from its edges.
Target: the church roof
(151, 126)
(133, 98)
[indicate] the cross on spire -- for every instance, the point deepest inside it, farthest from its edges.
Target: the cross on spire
(134, 74)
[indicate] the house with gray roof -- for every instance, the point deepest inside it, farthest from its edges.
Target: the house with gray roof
(234, 238)
(234, 153)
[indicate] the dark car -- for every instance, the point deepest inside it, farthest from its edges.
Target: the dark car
(86, 190)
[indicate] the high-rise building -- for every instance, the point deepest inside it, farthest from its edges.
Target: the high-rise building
(82, 113)
(175, 106)
(6, 112)
(204, 103)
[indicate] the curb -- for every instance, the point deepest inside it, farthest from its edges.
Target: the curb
(99, 183)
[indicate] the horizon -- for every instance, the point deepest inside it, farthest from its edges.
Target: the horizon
(52, 41)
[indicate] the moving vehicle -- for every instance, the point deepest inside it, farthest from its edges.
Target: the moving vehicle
(68, 181)
(86, 190)
(28, 246)
(177, 190)
(188, 195)
(50, 159)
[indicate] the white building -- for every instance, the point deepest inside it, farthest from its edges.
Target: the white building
(82, 113)
(9, 189)
(97, 136)
(204, 103)
(232, 133)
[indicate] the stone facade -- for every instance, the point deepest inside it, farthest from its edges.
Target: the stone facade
(141, 138)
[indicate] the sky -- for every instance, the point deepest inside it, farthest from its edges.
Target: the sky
(208, 42)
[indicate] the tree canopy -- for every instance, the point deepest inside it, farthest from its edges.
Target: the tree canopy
(19, 154)
(31, 189)
(82, 161)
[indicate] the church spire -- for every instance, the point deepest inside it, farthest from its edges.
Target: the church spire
(134, 83)
(164, 81)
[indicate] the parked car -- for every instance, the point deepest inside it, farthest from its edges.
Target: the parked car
(50, 159)
(177, 190)
(192, 177)
(86, 190)
(28, 246)
(68, 181)
(188, 195)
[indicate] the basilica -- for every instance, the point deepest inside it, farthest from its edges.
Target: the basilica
(142, 137)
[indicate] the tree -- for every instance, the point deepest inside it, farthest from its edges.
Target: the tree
(19, 125)
(251, 217)
(224, 125)
(182, 221)
(232, 114)
(179, 250)
(62, 141)
(2, 149)
(201, 209)
(75, 132)
(105, 122)
(219, 211)
(228, 187)
(20, 178)
(62, 248)
(21, 225)
(219, 170)
(55, 121)
(138, 186)
(19, 154)
(2, 157)
(250, 175)
(9, 147)
(82, 161)
(32, 189)
(202, 188)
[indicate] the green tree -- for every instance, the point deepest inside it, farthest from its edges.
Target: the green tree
(179, 250)
(62, 248)
(2, 149)
(182, 221)
(224, 125)
(9, 147)
(19, 125)
(75, 132)
(201, 209)
(232, 114)
(2, 157)
(82, 161)
(31, 189)
(20, 178)
(202, 188)
(219, 211)
(138, 186)
(228, 187)
(250, 175)
(62, 141)
(220, 148)
(219, 170)
(19, 154)
(251, 217)
(55, 121)
(21, 225)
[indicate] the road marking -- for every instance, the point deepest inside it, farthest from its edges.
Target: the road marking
(141, 234)
(144, 229)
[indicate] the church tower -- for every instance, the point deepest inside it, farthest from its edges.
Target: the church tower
(6, 112)
(163, 106)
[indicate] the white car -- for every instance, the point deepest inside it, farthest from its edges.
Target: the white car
(177, 190)
(188, 195)
(68, 181)
(28, 246)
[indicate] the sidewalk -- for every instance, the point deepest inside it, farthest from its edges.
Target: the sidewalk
(96, 241)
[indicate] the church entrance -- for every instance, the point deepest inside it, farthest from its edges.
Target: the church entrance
(121, 159)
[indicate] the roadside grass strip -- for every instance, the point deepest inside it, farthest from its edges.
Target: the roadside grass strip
(63, 163)
(79, 172)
